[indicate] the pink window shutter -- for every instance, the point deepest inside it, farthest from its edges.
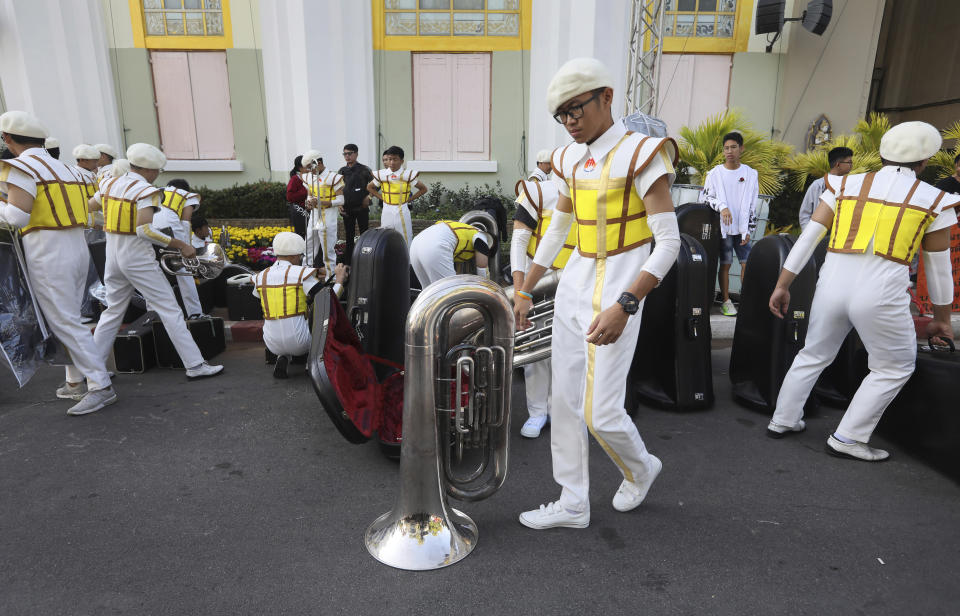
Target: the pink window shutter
(471, 109)
(433, 106)
(171, 79)
(211, 104)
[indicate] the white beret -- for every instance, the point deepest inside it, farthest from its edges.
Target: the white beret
(544, 156)
(576, 77)
(51, 142)
(146, 156)
(910, 142)
(86, 152)
(287, 244)
(120, 166)
(310, 157)
(106, 148)
(23, 124)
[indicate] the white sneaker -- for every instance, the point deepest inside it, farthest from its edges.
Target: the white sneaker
(93, 401)
(858, 451)
(203, 370)
(775, 430)
(74, 391)
(532, 427)
(553, 515)
(631, 494)
(728, 309)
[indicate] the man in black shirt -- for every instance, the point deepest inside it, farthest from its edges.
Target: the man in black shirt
(951, 184)
(356, 200)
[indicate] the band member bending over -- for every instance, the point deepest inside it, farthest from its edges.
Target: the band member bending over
(283, 289)
(129, 203)
(393, 187)
(877, 222)
(435, 250)
(618, 185)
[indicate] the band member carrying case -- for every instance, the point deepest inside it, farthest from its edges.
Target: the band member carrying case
(134, 348)
(207, 332)
(676, 322)
(763, 345)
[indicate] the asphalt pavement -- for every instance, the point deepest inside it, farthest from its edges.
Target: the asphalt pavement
(235, 495)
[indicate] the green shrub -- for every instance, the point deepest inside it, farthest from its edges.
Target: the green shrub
(442, 204)
(256, 200)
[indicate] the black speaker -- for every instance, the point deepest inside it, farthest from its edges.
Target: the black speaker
(817, 16)
(770, 16)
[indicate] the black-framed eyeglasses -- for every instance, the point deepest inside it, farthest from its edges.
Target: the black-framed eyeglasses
(575, 112)
(349, 153)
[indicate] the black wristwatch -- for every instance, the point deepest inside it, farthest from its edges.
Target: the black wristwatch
(629, 302)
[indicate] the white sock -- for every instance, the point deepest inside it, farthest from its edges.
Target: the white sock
(843, 439)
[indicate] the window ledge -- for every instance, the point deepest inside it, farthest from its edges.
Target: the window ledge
(453, 166)
(204, 165)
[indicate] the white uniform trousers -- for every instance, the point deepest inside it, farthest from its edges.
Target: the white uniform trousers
(287, 336)
(57, 263)
(324, 236)
(166, 217)
(131, 263)
(869, 294)
(589, 382)
(397, 217)
(536, 377)
(431, 254)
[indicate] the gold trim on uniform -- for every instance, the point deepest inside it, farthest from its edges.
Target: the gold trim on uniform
(63, 207)
(285, 300)
(465, 234)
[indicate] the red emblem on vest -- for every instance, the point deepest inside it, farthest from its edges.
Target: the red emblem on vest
(590, 165)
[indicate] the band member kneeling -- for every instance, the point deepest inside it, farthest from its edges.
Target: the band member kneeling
(283, 289)
(129, 203)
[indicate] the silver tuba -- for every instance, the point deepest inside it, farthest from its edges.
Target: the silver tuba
(456, 420)
(208, 263)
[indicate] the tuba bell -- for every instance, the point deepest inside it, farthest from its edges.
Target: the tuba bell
(208, 263)
(456, 420)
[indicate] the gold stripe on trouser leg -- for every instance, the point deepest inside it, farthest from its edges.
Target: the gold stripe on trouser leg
(601, 268)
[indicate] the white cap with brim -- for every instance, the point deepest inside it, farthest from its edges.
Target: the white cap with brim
(109, 150)
(23, 124)
(310, 157)
(576, 77)
(910, 142)
(543, 156)
(86, 152)
(146, 156)
(287, 244)
(51, 142)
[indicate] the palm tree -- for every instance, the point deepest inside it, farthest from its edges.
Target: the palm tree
(865, 143)
(701, 148)
(942, 161)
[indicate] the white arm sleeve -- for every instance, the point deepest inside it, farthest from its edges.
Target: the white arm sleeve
(803, 249)
(13, 215)
(338, 200)
(552, 241)
(519, 261)
(939, 276)
(149, 233)
(667, 236)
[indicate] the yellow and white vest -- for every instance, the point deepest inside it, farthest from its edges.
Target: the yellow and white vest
(396, 186)
(119, 197)
(543, 198)
(175, 199)
(465, 234)
(323, 186)
(283, 296)
(61, 201)
(610, 215)
(895, 221)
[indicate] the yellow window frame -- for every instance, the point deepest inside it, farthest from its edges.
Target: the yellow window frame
(141, 39)
(385, 42)
(711, 44)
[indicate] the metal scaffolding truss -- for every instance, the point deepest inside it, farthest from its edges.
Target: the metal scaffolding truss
(646, 48)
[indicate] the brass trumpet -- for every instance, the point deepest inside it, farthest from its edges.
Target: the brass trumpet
(208, 263)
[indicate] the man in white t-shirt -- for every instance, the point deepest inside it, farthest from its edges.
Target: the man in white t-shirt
(732, 189)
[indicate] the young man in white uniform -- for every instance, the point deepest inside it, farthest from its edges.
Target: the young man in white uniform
(44, 200)
(536, 202)
(619, 186)
(326, 198)
(542, 171)
(877, 222)
(108, 154)
(129, 203)
(176, 210)
(283, 289)
(436, 249)
(393, 187)
(732, 189)
(841, 161)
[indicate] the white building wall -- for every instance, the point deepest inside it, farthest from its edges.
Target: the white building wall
(319, 80)
(56, 65)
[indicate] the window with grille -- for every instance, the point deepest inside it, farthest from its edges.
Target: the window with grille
(181, 24)
(717, 26)
(452, 24)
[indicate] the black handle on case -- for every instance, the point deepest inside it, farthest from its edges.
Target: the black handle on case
(938, 348)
